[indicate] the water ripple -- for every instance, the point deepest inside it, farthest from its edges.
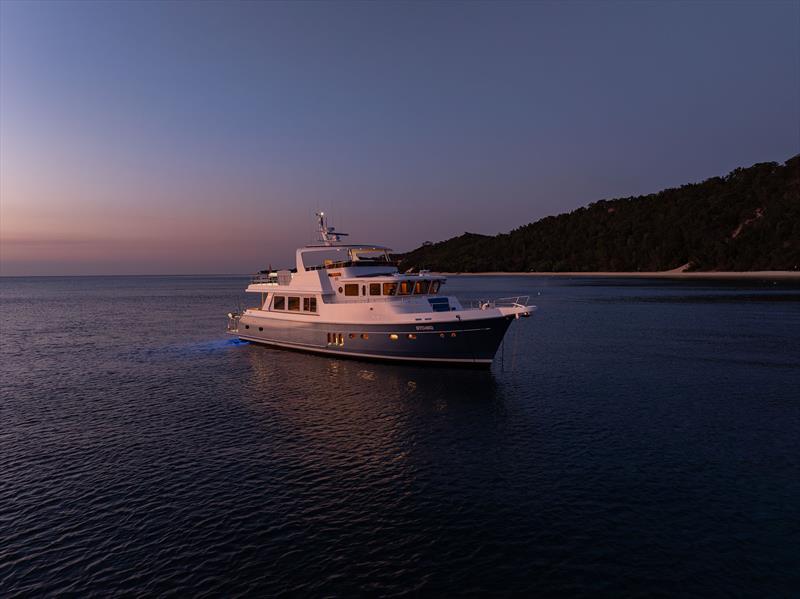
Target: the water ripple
(628, 443)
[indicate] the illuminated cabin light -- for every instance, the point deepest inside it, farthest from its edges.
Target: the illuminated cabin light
(393, 337)
(441, 335)
(452, 334)
(364, 335)
(412, 336)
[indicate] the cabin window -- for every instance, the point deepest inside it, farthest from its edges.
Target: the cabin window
(341, 339)
(310, 304)
(294, 304)
(374, 288)
(279, 303)
(405, 288)
(421, 287)
(393, 337)
(351, 289)
(389, 288)
(435, 287)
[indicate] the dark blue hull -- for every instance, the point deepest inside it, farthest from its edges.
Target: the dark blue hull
(472, 342)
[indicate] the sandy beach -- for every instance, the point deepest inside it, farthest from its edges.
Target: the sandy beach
(669, 274)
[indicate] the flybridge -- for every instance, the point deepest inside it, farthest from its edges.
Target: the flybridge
(343, 256)
(331, 254)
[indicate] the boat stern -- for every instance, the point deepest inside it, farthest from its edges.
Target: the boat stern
(232, 327)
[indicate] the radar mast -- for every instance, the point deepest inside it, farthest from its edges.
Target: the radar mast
(328, 235)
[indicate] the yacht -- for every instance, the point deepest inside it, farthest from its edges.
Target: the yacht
(349, 300)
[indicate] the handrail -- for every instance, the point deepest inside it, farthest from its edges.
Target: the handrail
(273, 276)
(382, 298)
(352, 263)
(519, 301)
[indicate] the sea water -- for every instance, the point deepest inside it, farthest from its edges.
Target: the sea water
(633, 436)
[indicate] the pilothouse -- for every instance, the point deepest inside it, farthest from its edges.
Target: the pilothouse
(350, 300)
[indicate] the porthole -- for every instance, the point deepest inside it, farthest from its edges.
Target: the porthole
(441, 335)
(352, 335)
(340, 289)
(412, 336)
(260, 328)
(247, 326)
(393, 337)
(364, 335)
(452, 334)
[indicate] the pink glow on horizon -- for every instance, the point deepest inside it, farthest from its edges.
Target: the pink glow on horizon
(153, 137)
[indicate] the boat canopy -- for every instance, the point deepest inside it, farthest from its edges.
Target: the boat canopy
(340, 256)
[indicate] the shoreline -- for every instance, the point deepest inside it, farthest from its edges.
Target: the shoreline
(668, 274)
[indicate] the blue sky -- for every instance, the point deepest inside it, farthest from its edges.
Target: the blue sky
(200, 137)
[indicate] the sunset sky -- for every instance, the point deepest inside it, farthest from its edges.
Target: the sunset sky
(148, 138)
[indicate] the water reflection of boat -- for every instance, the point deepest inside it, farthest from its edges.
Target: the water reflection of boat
(350, 300)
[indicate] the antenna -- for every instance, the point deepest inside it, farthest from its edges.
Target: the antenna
(327, 235)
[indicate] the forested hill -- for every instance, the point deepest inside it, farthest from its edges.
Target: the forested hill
(747, 220)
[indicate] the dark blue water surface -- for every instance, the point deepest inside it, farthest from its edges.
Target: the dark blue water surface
(638, 437)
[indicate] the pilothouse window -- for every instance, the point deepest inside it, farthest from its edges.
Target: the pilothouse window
(374, 288)
(389, 288)
(405, 288)
(310, 304)
(435, 287)
(294, 304)
(421, 287)
(279, 303)
(351, 289)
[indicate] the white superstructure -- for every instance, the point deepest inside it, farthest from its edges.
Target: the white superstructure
(350, 299)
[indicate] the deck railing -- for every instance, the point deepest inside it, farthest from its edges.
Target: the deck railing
(275, 278)
(352, 263)
(519, 301)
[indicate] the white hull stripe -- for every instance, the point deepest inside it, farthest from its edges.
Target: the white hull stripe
(397, 332)
(321, 350)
